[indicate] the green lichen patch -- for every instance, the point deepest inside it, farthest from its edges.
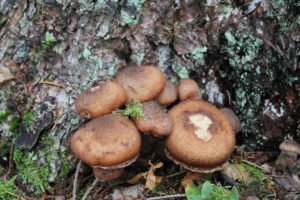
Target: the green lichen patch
(130, 12)
(198, 53)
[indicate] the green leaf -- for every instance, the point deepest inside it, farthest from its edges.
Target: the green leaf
(193, 192)
(234, 194)
(207, 190)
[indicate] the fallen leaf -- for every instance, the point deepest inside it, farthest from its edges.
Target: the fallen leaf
(151, 179)
(5, 75)
(137, 177)
(236, 172)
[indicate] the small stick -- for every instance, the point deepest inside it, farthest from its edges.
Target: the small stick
(253, 164)
(167, 197)
(52, 84)
(76, 180)
(87, 192)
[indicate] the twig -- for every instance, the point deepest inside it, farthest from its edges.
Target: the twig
(167, 197)
(253, 164)
(10, 164)
(53, 84)
(76, 180)
(87, 192)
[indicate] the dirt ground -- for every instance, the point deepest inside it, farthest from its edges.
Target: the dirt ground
(243, 54)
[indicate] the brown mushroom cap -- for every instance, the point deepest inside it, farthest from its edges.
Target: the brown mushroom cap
(290, 146)
(109, 141)
(100, 100)
(141, 83)
(168, 95)
(154, 120)
(202, 139)
(188, 89)
(234, 120)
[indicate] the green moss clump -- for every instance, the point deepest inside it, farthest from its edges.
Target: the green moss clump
(35, 167)
(14, 125)
(3, 116)
(8, 191)
(33, 173)
(48, 40)
(133, 109)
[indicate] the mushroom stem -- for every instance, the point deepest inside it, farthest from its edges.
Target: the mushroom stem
(107, 174)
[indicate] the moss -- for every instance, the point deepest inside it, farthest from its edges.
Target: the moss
(34, 167)
(34, 174)
(48, 41)
(133, 109)
(14, 125)
(3, 116)
(8, 191)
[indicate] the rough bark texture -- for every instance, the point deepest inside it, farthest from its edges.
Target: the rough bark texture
(243, 54)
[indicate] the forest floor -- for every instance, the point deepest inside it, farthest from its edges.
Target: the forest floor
(243, 54)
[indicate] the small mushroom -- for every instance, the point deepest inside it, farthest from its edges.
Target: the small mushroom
(168, 95)
(202, 139)
(141, 83)
(233, 119)
(108, 144)
(154, 120)
(100, 100)
(189, 89)
(290, 147)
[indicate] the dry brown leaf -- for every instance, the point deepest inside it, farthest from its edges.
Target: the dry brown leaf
(5, 74)
(236, 172)
(137, 177)
(190, 177)
(151, 178)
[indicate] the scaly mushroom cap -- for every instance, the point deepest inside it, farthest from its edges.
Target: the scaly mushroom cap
(168, 95)
(189, 89)
(100, 100)
(109, 141)
(154, 120)
(233, 119)
(290, 146)
(202, 139)
(141, 83)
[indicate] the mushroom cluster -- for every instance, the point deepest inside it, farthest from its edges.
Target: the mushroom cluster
(198, 135)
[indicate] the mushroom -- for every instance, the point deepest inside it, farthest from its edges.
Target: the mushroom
(290, 147)
(168, 95)
(188, 89)
(233, 119)
(108, 144)
(202, 139)
(141, 83)
(154, 120)
(100, 100)
(288, 158)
